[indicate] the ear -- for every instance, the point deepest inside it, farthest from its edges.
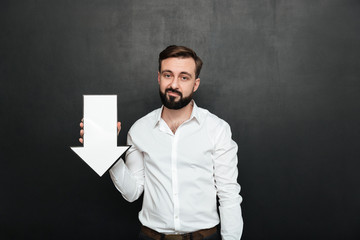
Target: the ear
(159, 78)
(197, 84)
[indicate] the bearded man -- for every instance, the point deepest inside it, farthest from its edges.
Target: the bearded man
(183, 159)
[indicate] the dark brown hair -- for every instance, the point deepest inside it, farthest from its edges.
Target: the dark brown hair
(181, 52)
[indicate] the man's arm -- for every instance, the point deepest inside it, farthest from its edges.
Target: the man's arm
(226, 172)
(128, 177)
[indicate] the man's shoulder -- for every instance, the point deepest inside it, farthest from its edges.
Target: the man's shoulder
(210, 119)
(149, 120)
(217, 128)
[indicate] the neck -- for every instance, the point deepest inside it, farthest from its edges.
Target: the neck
(175, 118)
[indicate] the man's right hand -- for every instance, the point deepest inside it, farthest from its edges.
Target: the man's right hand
(82, 130)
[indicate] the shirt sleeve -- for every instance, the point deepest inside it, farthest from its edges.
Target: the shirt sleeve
(128, 177)
(228, 190)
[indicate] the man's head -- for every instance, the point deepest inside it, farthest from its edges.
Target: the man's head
(178, 76)
(181, 52)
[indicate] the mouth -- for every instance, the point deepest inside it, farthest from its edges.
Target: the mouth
(173, 93)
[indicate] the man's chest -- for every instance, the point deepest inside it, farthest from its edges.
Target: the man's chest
(188, 149)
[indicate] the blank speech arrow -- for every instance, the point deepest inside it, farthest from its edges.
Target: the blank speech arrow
(100, 150)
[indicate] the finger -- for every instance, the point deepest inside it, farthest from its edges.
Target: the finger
(118, 127)
(81, 132)
(81, 140)
(82, 125)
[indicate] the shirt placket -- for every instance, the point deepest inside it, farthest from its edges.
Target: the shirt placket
(175, 188)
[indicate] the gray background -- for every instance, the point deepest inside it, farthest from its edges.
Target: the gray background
(284, 74)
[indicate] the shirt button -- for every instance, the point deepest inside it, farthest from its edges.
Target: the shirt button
(176, 217)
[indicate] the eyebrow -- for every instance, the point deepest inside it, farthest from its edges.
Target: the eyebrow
(163, 71)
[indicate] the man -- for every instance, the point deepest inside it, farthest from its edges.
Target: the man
(182, 158)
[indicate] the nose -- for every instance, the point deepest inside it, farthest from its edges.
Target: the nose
(174, 83)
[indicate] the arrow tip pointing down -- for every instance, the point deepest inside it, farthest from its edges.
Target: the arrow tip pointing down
(100, 159)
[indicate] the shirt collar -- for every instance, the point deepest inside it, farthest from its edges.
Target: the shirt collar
(194, 114)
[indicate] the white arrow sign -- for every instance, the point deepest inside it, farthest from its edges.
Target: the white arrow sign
(100, 149)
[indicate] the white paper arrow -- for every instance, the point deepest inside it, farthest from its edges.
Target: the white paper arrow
(100, 150)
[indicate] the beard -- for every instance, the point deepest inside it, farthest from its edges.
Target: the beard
(171, 103)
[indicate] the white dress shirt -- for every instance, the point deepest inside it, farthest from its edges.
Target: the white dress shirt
(181, 174)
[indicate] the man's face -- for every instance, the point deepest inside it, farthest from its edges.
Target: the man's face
(177, 82)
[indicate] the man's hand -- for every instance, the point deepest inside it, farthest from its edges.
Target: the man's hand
(82, 130)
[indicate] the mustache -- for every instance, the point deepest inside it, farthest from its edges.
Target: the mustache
(173, 90)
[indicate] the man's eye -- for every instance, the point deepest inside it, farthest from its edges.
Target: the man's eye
(167, 75)
(184, 78)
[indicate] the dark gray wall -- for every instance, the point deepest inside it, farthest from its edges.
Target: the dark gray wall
(284, 74)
